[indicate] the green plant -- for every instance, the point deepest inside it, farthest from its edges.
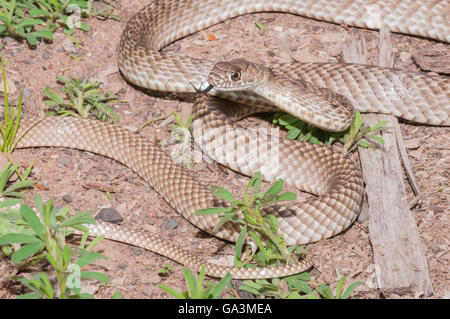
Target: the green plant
(182, 134)
(37, 19)
(13, 190)
(357, 133)
(47, 241)
(248, 212)
(166, 269)
(326, 292)
(261, 27)
(12, 222)
(353, 136)
(196, 290)
(297, 287)
(18, 24)
(12, 117)
(82, 98)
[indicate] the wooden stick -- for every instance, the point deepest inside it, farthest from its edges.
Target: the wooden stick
(400, 265)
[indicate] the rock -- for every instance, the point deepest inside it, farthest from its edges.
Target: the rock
(171, 224)
(10, 86)
(137, 251)
(46, 56)
(63, 160)
(67, 198)
(109, 215)
(405, 56)
(148, 291)
(151, 279)
(26, 92)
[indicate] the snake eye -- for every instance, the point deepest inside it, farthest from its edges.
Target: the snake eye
(235, 76)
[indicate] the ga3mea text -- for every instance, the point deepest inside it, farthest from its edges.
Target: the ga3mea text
(241, 308)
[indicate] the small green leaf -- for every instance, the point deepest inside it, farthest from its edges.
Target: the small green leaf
(26, 251)
(350, 289)
(376, 138)
(220, 286)
(30, 296)
(191, 282)
(95, 275)
(214, 210)
(17, 238)
(276, 187)
(222, 193)
(260, 25)
(286, 196)
(326, 292)
(89, 258)
(29, 22)
(173, 292)
(339, 286)
(240, 243)
(32, 219)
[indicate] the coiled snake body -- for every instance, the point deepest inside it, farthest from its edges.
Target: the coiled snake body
(315, 169)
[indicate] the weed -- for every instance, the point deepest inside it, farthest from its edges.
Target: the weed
(39, 19)
(166, 269)
(297, 287)
(45, 239)
(352, 137)
(18, 24)
(196, 289)
(12, 116)
(248, 212)
(13, 190)
(272, 247)
(326, 292)
(82, 98)
(181, 153)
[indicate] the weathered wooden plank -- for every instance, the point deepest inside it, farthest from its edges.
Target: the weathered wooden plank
(400, 265)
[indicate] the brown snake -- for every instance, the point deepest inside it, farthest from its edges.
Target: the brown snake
(315, 169)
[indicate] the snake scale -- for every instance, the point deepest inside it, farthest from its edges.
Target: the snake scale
(333, 87)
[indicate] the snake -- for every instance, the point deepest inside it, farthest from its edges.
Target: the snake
(323, 94)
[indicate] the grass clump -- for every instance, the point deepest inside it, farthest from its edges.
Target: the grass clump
(43, 238)
(81, 98)
(196, 288)
(34, 20)
(356, 135)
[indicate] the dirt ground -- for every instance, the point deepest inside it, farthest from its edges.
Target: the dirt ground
(134, 271)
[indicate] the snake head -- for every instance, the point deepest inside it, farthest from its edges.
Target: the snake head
(238, 74)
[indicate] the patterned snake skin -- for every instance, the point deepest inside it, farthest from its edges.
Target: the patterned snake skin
(314, 169)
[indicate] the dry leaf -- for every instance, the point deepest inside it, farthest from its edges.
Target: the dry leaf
(210, 37)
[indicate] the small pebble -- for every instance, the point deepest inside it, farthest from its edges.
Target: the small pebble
(109, 215)
(137, 251)
(8, 39)
(151, 279)
(26, 92)
(437, 209)
(405, 56)
(63, 160)
(123, 266)
(148, 291)
(67, 198)
(46, 56)
(278, 28)
(149, 221)
(170, 224)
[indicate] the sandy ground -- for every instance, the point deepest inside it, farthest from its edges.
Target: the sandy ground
(134, 271)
